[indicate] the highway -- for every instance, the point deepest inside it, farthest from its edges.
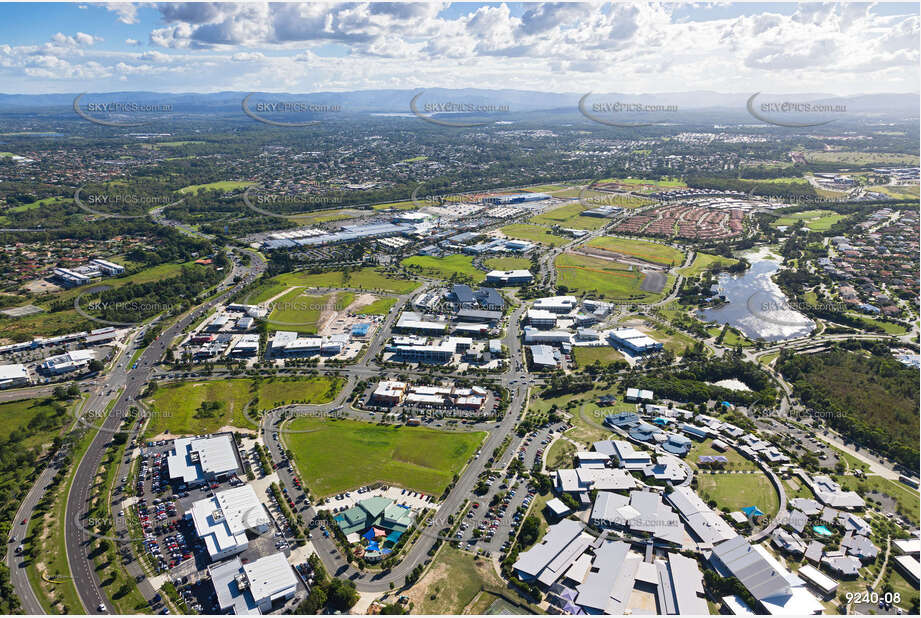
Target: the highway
(128, 383)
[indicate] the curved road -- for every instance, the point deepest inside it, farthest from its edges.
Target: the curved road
(132, 381)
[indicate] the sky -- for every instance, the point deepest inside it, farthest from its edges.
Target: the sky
(840, 49)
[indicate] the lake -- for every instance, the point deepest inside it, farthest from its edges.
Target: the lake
(757, 306)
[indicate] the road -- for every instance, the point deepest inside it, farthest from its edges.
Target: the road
(16, 563)
(128, 383)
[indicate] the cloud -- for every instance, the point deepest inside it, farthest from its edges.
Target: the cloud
(127, 11)
(573, 47)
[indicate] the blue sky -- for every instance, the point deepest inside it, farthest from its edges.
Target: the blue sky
(726, 47)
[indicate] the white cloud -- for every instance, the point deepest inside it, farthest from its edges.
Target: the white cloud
(127, 11)
(573, 47)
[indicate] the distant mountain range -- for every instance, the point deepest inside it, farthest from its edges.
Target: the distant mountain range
(398, 101)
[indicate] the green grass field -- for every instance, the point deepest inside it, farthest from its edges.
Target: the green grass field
(381, 306)
(300, 311)
(456, 266)
(176, 144)
(508, 263)
(221, 185)
(655, 253)
(735, 491)
(592, 198)
(588, 355)
(675, 341)
(176, 405)
(15, 415)
(560, 455)
(533, 233)
(48, 201)
(323, 216)
(404, 205)
(570, 216)
(337, 455)
(815, 220)
(703, 261)
(643, 185)
(899, 192)
(369, 279)
(603, 278)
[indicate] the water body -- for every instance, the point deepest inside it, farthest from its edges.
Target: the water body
(757, 306)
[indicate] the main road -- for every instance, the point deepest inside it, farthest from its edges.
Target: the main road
(124, 384)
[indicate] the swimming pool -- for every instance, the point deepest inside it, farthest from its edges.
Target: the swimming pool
(822, 530)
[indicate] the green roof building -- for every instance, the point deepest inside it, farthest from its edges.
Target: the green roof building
(379, 512)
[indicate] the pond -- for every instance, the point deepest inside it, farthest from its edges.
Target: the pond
(756, 305)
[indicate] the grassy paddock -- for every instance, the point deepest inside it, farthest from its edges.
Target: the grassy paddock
(533, 233)
(704, 261)
(445, 267)
(604, 278)
(337, 455)
(176, 406)
(647, 251)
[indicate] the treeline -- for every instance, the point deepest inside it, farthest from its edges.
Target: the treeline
(138, 301)
(872, 400)
(691, 384)
(768, 189)
(18, 462)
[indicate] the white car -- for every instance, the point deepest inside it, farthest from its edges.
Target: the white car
(101, 607)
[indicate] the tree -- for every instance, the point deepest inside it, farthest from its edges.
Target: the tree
(95, 365)
(341, 594)
(314, 602)
(392, 609)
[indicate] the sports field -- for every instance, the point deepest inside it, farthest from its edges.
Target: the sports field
(457, 266)
(815, 220)
(338, 455)
(603, 278)
(533, 233)
(176, 407)
(735, 491)
(570, 216)
(653, 252)
(703, 261)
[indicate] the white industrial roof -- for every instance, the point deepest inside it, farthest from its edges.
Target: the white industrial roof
(13, 372)
(215, 455)
(270, 577)
(222, 521)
